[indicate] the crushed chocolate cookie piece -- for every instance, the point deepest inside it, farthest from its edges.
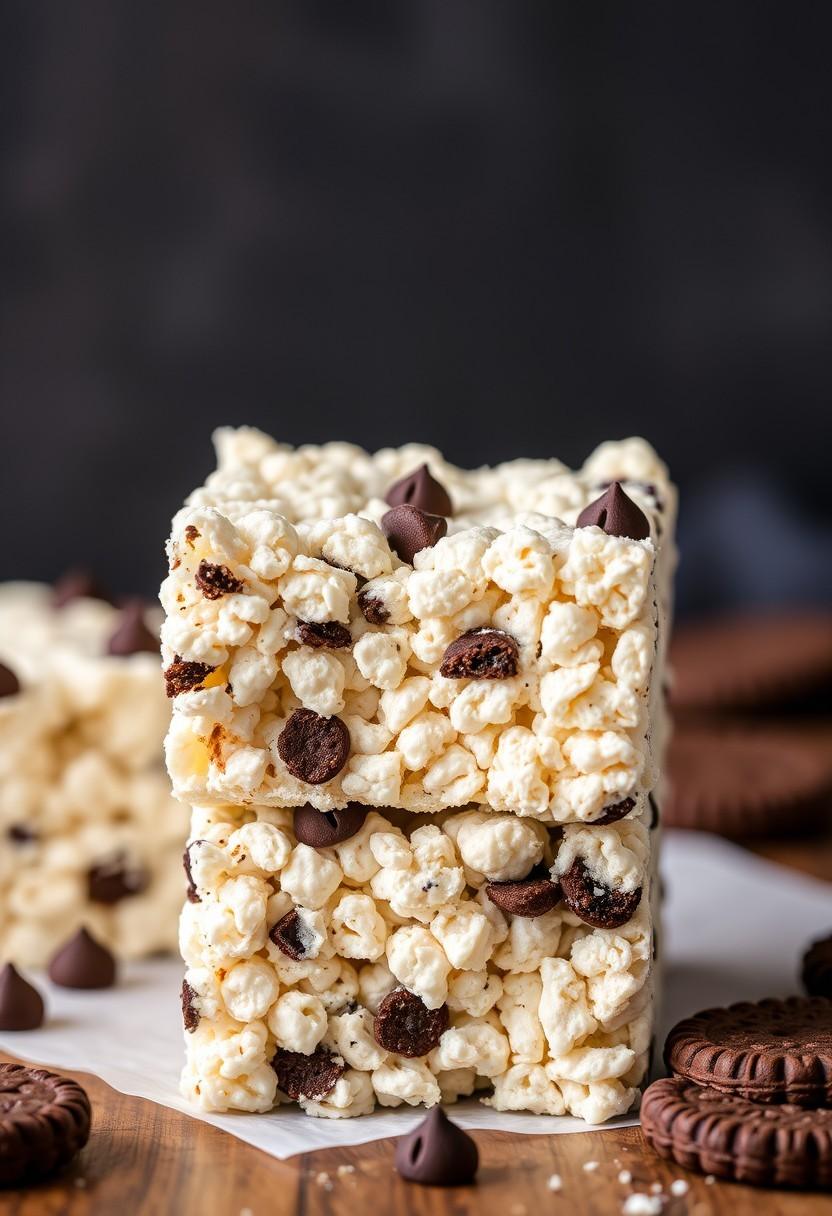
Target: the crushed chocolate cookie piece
(616, 514)
(312, 1076)
(111, 881)
(192, 535)
(405, 1025)
(9, 683)
(183, 676)
(191, 893)
(372, 608)
(420, 489)
(595, 903)
(322, 829)
(329, 635)
(314, 749)
(78, 584)
(215, 581)
(190, 1013)
(290, 935)
(611, 814)
(131, 635)
(528, 897)
(21, 833)
(409, 530)
(481, 654)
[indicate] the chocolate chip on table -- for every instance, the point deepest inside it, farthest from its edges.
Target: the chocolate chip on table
(611, 814)
(409, 530)
(289, 936)
(437, 1152)
(9, 683)
(816, 971)
(528, 897)
(190, 1013)
(184, 675)
(191, 892)
(21, 1005)
(44, 1121)
(595, 903)
(420, 489)
(481, 654)
(405, 1025)
(113, 880)
(373, 608)
(616, 514)
(215, 581)
(78, 584)
(83, 963)
(322, 829)
(329, 635)
(131, 635)
(312, 1076)
(314, 749)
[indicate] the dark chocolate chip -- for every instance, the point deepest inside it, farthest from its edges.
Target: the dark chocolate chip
(215, 581)
(314, 749)
(322, 829)
(191, 892)
(83, 963)
(528, 897)
(190, 1013)
(373, 608)
(410, 530)
(111, 881)
(289, 936)
(131, 635)
(21, 833)
(816, 970)
(437, 1153)
(481, 654)
(21, 1005)
(44, 1121)
(312, 1077)
(9, 683)
(405, 1025)
(616, 514)
(330, 635)
(420, 489)
(78, 585)
(611, 814)
(184, 675)
(654, 812)
(596, 904)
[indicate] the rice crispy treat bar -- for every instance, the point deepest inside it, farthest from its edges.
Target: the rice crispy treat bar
(89, 833)
(423, 769)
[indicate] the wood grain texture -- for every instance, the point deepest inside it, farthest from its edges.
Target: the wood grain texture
(146, 1160)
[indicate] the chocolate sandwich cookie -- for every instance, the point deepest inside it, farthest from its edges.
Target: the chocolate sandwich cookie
(768, 1051)
(730, 1137)
(817, 968)
(745, 782)
(44, 1121)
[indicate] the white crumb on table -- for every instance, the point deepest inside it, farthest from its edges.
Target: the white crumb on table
(625, 1177)
(639, 1204)
(323, 1179)
(589, 1167)
(679, 1187)
(555, 1182)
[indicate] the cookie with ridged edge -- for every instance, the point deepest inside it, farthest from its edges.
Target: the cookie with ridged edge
(44, 1121)
(702, 1129)
(767, 1051)
(817, 968)
(744, 782)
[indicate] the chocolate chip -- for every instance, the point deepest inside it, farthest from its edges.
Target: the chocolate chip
(314, 749)
(405, 1025)
(190, 1013)
(21, 833)
(329, 635)
(595, 903)
(312, 1077)
(616, 514)
(111, 881)
(215, 581)
(83, 963)
(9, 683)
(437, 1153)
(481, 654)
(184, 675)
(289, 935)
(611, 814)
(373, 608)
(410, 530)
(78, 584)
(420, 489)
(322, 829)
(527, 897)
(191, 893)
(131, 635)
(21, 1005)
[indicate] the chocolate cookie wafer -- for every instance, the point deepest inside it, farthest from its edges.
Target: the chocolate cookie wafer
(44, 1121)
(715, 1133)
(817, 968)
(768, 1051)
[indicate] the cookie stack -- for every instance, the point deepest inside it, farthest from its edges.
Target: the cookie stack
(418, 720)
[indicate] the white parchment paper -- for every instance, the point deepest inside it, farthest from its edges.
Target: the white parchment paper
(734, 928)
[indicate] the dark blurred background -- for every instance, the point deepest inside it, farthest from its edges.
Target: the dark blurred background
(501, 228)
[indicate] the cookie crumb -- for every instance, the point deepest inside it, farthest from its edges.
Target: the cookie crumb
(625, 1177)
(638, 1204)
(679, 1187)
(323, 1179)
(590, 1166)
(345, 1169)
(555, 1182)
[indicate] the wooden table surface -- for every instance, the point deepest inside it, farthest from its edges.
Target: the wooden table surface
(146, 1160)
